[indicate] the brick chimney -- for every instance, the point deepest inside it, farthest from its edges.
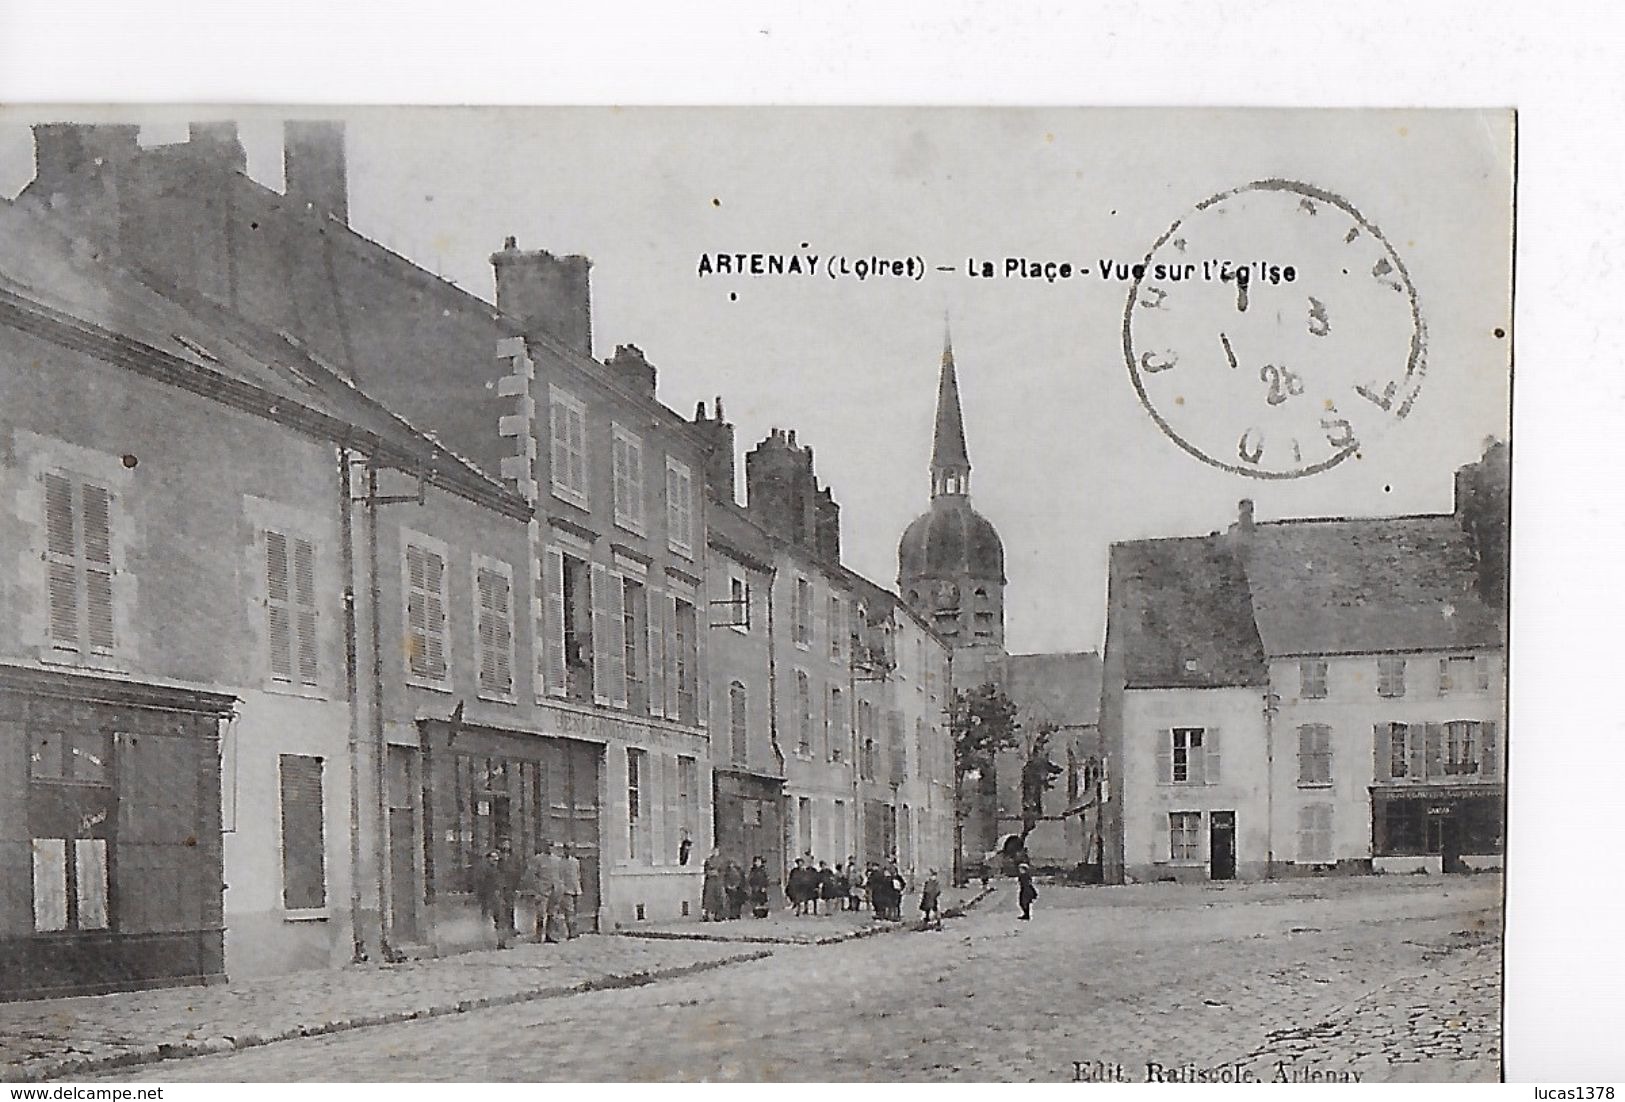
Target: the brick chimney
(827, 536)
(632, 369)
(314, 167)
(65, 149)
(720, 472)
(548, 294)
(1244, 515)
(779, 488)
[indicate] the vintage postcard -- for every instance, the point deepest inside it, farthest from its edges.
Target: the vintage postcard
(833, 594)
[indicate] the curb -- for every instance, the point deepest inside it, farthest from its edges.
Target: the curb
(46, 1071)
(957, 911)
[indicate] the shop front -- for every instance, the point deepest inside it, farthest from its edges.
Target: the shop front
(110, 844)
(749, 811)
(1441, 828)
(483, 787)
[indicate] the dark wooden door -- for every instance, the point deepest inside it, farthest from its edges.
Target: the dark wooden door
(1222, 846)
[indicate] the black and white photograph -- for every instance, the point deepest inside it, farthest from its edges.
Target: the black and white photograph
(837, 594)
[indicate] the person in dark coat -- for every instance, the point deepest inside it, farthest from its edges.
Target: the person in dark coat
(733, 889)
(879, 892)
(497, 885)
(711, 896)
(796, 887)
(1027, 894)
(930, 902)
(854, 884)
(823, 887)
(756, 880)
(895, 886)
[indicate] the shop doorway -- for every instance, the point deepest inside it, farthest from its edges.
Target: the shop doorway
(1222, 845)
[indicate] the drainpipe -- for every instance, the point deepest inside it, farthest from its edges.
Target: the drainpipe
(380, 746)
(773, 721)
(1271, 706)
(347, 553)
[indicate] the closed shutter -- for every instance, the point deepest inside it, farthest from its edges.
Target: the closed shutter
(1481, 665)
(1382, 751)
(278, 615)
(61, 554)
(1435, 750)
(669, 614)
(1418, 752)
(304, 609)
(552, 641)
(702, 685)
(495, 631)
(1161, 837)
(1491, 767)
(600, 634)
(657, 651)
(1306, 833)
(615, 646)
(559, 423)
(667, 835)
(434, 656)
(1210, 755)
(98, 540)
(1165, 756)
(166, 868)
(304, 861)
(1444, 677)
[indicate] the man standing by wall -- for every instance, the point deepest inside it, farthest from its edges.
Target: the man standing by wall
(570, 891)
(543, 883)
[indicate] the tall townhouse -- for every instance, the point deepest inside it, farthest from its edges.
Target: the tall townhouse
(747, 756)
(604, 724)
(814, 615)
(184, 756)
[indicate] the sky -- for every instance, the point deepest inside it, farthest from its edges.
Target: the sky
(1065, 457)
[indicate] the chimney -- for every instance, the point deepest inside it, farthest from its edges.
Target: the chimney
(218, 142)
(629, 366)
(720, 474)
(1244, 515)
(780, 488)
(62, 149)
(314, 167)
(827, 537)
(548, 294)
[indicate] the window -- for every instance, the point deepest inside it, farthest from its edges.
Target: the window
(426, 657)
(635, 635)
(739, 604)
(1457, 675)
(685, 669)
(290, 608)
(866, 737)
(737, 731)
(834, 626)
(1185, 836)
(1314, 754)
(627, 463)
(679, 507)
(637, 846)
(568, 422)
(835, 728)
(578, 625)
(1391, 677)
(493, 586)
(1312, 678)
(866, 765)
(801, 612)
(70, 820)
(1187, 755)
(79, 564)
(1398, 755)
(1462, 740)
(1404, 827)
(1315, 832)
(804, 714)
(304, 848)
(688, 796)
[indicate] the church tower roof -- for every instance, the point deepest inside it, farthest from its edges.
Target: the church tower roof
(948, 454)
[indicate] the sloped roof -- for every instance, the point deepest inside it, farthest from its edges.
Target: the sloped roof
(57, 279)
(1182, 614)
(1059, 688)
(1367, 585)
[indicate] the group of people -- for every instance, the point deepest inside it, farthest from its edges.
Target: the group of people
(551, 880)
(814, 887)
(726, 888)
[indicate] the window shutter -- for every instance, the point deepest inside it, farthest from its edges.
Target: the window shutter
(1162, 829)
(485, 626)
(552, 642)
(98, 550)
(702, 687)
(1418, 751)
(1382, 751)
(1491, 767)
(502, 609)
(615, 609)
(558, 424)
(1165, 756)
(601, 692)
(1306, 834)
(1444, 677)
(669, 613)
(304, 873)
(434, 572)
(657, 651)
(1481, 665)
(279, 627)
(1210, 755)
(1306, 754)
(1435, 750)
(304, 594)
(673, 816)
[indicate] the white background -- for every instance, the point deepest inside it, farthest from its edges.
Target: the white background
(1561, 64)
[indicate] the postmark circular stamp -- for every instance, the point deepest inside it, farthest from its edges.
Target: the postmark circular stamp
(1273, 332)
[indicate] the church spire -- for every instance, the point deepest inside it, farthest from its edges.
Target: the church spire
(950, 465)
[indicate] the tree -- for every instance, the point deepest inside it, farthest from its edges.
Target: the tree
(1038, 775)
(983, 723)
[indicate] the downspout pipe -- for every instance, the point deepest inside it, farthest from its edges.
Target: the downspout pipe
(351, 694)
(380, 745)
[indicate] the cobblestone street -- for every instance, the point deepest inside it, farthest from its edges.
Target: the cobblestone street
(1384, 978)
